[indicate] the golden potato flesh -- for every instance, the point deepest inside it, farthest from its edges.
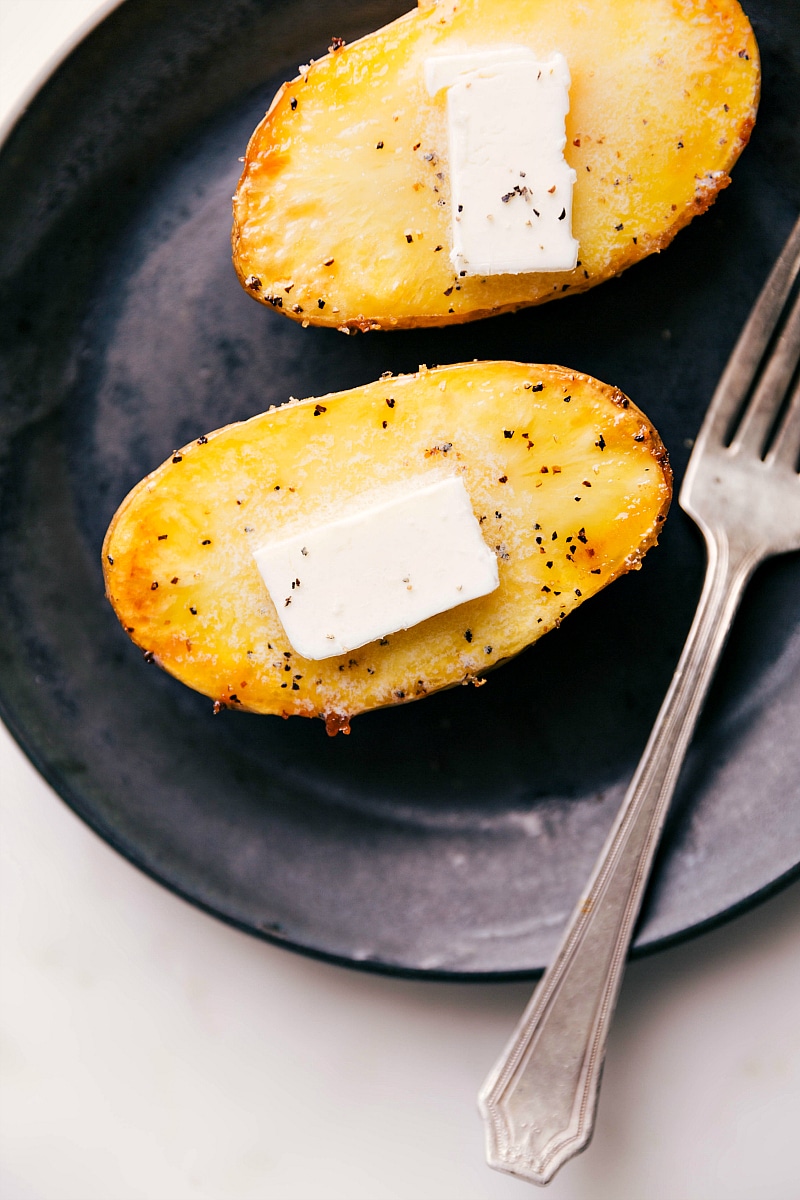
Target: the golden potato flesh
(568, 480)
(342, 214)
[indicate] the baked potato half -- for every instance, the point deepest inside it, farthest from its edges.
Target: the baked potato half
(568, 479)
(342, 213)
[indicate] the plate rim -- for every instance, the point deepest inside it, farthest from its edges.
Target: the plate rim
(67, 794)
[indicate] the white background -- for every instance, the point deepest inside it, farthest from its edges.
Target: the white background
(147, 1052)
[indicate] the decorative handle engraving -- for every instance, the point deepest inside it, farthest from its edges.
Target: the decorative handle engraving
(539, 1101)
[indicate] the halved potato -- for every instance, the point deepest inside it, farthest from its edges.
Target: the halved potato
(342, 214)
(569, 481)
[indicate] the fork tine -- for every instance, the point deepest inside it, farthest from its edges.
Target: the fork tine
(785, 449)
(766, 400)
(753, 341)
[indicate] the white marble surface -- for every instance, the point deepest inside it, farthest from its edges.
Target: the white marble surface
(150, 1053)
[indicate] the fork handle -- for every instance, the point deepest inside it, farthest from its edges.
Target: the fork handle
(539, 1100)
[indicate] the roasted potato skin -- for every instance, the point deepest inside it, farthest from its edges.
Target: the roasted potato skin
(570, 483)
(341, 216)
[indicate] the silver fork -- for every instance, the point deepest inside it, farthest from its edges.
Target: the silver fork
(742, 488)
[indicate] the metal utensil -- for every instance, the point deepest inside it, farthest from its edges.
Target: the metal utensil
(742, 488)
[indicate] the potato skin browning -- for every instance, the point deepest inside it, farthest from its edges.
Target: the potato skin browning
(342, 218)
(570, 483)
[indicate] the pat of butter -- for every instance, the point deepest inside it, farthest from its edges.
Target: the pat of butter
(395, 563)
(511, 187)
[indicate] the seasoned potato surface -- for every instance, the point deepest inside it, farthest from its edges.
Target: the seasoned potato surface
(568, 480)
(342, 215)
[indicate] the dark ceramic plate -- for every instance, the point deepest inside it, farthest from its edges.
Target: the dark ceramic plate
(449, 837)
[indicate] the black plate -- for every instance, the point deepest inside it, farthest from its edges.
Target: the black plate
(449, 837)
